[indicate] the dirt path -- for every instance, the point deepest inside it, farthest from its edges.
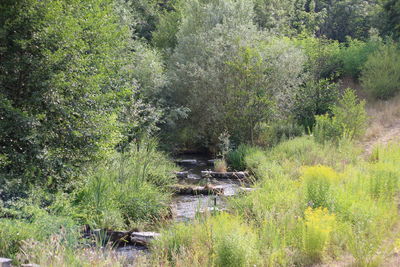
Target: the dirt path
(388, 134)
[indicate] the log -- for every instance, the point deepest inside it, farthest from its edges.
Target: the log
(143, 238)
(197, 190)
(224, 175)
(4, 262)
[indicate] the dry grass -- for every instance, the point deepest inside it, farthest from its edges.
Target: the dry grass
(384, 118)
(220, 165)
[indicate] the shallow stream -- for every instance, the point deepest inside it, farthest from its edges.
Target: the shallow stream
(185, 207)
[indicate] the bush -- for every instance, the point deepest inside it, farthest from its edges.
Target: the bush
(318, 181)
(272, 134)
(318, 225)
(348, 121)
(323, 56)
(350, 114)
(327, 129)
(354, 54)
(314, 98)
(381, 73)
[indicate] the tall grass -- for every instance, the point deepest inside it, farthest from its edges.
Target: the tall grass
(223, 240)
(132, 187)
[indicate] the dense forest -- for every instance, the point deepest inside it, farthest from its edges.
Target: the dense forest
(99, 99)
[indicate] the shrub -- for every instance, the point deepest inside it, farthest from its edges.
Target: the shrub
(354, 54)
(350, 114)
(314, 98)
(317, 181)
(318, 225)
(348, 121)
(327, 129)
(381, 73)
(323, 56)
(272, 134)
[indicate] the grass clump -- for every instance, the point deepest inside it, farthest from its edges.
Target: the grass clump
(318, 182)
(220, 165)
(223, 240)
(317, 226)
(132, 187)
(236, 157)
(39, 225)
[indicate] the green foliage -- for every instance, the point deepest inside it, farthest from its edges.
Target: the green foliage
(354, 54)
(381, 73)
(228, 73)
(164, 37)
(350, 113)
(349, 18)
(323, 55)
(223, 240)
(392, 15)
(327, 129)
(39, 226)
(348, 121)
(318, 181)
(271, 134)
(131, 188)
(236, 157)
(314, 98)
(317, 227)
(383, 181)
(63, 82)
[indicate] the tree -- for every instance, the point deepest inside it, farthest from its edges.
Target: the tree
(392, 13)
(227, 72)
(64, 82)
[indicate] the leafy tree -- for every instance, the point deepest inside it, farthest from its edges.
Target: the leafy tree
(323, 55)
(63, 85)
(314, 98)
(227, 72)
(164, 37)
(392, 13)
(249, 98)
